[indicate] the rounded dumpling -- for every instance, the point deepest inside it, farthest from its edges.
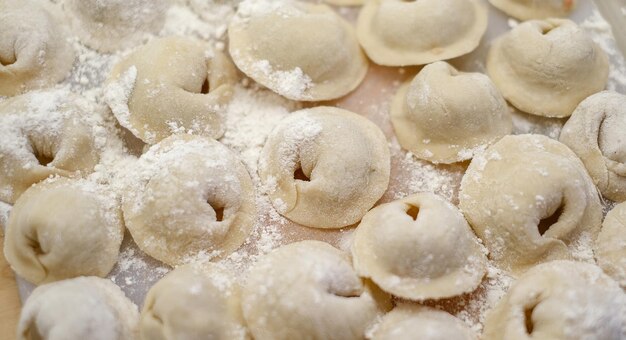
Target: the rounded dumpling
(547, 67)
(419, 248)
(325, 167)
(34, 50)
(308, 290)
(76, 309)
(529, 198)
(316, 58)
(610, 247)
(114, 24)
(533, 9)
(446, 116)
(43, 134)
(345, 2)
(595, 132)
(170, 85)
(400, 32)
(196, 301)
(188, 197)
(561, 300)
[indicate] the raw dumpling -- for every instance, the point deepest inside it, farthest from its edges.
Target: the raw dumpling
(610, 247)
(194, 302)
(34, 50)
(419, 248)
(43, 134)
(316, 58)
(529, 198)
(400, 32)
(345, 2)
(410, 322)
(114, 24)
(325, 167)
(535, 9)
(446, 116)
(76, 309)
(189, 197)
(170, 85)
(596, 133)
(308, 290)
(560, 300)
(547, 67)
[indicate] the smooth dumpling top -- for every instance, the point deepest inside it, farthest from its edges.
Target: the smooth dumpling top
(560, 300)
(446, 116)
(547, 67)
(171, 85)
(610, 247)
(533, 9)
(188, 197)
(194, 302)
(76, 309)
(34, 50)
(529, 198)
(345, 2)
(316, 58)
(325, 167)
(399, 33)
(595, 132)
(308, 290)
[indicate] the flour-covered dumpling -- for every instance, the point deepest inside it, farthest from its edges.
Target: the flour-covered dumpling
(530, 199)
(317, 56)
(34, 50)
(114, 24)
(76, 309)
(560, 300)
(189, 197)
(535, 9)
(610, 247)
(547, 67)
(596, 132)
(446, 116)
(399, 32)
(45, 133)
(308, 290)
(345, 2)
(325, 167)
(419, 248)
(170, 85)
(194, 302)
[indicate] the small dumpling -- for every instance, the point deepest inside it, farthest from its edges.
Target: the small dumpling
(533, 9)
(595, 132)
(529, 198)
(325, 167)
(308, 290)
(194, 302)
(400, 32)
(446, 116)
(76, 309)
(345, 2)
(410, 322)
(170, 85)
(547, 67)
(610, 247)
(189, 197)
(316, 58)
(34, 49)
(560, 300)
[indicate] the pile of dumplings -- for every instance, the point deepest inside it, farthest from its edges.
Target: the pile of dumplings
(525, 201)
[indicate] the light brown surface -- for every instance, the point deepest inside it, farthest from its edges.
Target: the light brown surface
(9, 298)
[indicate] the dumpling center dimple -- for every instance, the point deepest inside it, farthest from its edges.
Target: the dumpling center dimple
(611, 139)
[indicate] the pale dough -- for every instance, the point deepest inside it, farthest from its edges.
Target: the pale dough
(535, 9)
(610, 246)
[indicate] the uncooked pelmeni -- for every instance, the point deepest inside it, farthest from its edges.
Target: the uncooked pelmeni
(547, 67)
(529, 198)
(610, 247)
(595, 132)
(419, 248)
(34, 50)
(345, 2)
(308, 290)
(194, 302)
(533, 9)
(316, 58)
(170, 85)
(115, 24)
(446, 116)
(63, 228)
(325, 167)
(189, 197)
(399, 32)
(42, 134)
(560, 300)
(76, 309)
